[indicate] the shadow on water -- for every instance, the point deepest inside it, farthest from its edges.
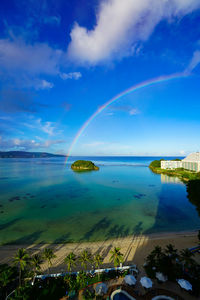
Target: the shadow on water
(169, 215)
(117, 231)
(27, 239)
(193, 193)
(138, 228)
(103, 224)
(8, 224)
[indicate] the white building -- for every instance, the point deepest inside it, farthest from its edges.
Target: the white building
(191, 162)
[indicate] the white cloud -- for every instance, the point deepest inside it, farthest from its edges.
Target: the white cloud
(47, 127)
(120, 25)
(35, 59)
(194, 62)
(71, 75)
(44, 84)
(133, 112)
(23, 144)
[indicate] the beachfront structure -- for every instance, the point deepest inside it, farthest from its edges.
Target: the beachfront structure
(191, 162)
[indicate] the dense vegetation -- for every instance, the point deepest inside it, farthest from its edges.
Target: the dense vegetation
(174, 265)
(183, 174)
(24, 154)
(84, 165)
(25, 267)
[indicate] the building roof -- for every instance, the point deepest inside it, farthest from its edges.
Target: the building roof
(193, 157)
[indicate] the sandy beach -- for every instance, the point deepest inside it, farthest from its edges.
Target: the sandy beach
(134, 248)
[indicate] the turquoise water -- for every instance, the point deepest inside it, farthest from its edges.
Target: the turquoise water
(43, 200)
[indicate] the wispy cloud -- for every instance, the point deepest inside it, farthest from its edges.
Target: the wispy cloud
(66, 105)
(71, 75)
(194, 62)
(125, 108)
(120, 25)
(44, 84)
(14, 101)
(47, 127)
(53, 20)
(27, 145)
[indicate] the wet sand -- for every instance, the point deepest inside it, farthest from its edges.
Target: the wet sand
(134, 248)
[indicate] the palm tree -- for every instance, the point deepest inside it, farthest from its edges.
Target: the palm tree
(70, 260)
(85, 257)
(171, 251)
(116, 257)
(186, 257)
(36, 261)
(81, 278)
(49, 255)
(71, 283)
(6, 278)
(157, 252)
(98, 260)
(21, 259)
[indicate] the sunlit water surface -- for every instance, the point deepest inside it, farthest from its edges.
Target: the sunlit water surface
(43, 200)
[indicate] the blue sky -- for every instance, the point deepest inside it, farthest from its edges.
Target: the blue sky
(61, 60)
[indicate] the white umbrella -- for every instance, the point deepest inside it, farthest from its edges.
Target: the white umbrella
(185, 284)
(130, 279)
(146, 282)
(101, 289)
(161, 277)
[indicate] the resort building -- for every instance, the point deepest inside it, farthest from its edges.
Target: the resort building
(191, 162)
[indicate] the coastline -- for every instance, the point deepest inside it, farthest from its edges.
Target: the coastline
(134, 248)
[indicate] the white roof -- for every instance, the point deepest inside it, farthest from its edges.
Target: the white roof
(193, 157)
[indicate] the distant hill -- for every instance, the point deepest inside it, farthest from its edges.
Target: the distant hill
(24, 154)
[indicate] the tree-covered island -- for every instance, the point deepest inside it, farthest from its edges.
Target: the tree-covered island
(84, 165)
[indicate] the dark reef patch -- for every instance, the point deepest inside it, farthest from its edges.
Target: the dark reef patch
(139, 196)
(16, 198)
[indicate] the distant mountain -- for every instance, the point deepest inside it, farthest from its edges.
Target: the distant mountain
(24, 154)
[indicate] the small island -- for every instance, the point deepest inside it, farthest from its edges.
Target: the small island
(84, 165)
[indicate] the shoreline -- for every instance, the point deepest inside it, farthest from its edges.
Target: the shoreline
(134, 248)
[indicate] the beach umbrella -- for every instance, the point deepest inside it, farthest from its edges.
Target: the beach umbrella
(185, 284)
(101, 289)
(146, 282)
(161, 277)
(130, 279)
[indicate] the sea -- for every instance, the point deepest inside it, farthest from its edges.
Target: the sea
(44, 201)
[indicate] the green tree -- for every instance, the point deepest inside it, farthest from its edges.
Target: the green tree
(6, 278)
(116, 256)
(186, 258)
(81, 279)
(157, 252)
(49, 255)
(85, 257)
(98, 260)
(36, 261)
(70, 261)
(71, 283)
(171, 251)
(21, 259)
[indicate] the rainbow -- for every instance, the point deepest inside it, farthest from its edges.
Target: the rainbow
(117, 97)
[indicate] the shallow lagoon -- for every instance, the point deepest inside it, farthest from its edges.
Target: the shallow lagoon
(43, 200)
